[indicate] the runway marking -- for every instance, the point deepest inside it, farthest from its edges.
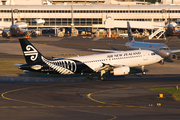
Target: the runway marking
(44, 105)
(27, 107)
(96, 39)
(89, 96)
(119, 105)
(66, 107)
(2, 95)
(122, 105)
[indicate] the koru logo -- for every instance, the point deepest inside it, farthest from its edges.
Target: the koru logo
(31, 51)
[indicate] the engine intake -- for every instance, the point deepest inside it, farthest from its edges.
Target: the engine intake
(124, 70)
(172, 57)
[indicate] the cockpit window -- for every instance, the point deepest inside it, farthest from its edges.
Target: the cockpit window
(153, 53)
(164, 48)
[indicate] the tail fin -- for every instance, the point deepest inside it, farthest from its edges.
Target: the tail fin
(131, 38)
(12, 19)
(31, 54)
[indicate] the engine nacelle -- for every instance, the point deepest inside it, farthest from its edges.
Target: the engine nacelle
(120, 70)
(6, 34)
(172, 57)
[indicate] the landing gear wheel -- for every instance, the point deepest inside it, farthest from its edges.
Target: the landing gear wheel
(143, 73)
(162, 62)
(90, 77)
(101, 78)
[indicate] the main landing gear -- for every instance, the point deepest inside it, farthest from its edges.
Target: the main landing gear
(143, 71)
(101, 77)
(90, 76)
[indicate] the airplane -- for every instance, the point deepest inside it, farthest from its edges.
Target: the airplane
(171, 29)
(159, 48)
(116, 63)
(19, 28)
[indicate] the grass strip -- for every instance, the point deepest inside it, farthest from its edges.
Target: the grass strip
(7, 67)
(172, 90)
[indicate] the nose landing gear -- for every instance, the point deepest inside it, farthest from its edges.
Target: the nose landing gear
(162, 62)
(143, 71)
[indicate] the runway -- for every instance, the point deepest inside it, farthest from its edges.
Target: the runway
(77, 98)
(116, 98)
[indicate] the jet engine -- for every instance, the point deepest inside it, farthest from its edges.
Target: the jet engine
(123, 70)
(172, 57)
(6, 34)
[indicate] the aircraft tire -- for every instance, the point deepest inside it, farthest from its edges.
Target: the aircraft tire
(90, 77)
(101, 78)
(143, 72)
(162, 62)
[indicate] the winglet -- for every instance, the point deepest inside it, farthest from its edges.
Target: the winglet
(131, 37)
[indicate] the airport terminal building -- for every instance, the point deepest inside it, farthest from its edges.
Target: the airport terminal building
(92, 15)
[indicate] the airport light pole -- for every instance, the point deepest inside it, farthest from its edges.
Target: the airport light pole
(72, 20)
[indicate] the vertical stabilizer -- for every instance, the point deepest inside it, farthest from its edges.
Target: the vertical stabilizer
(130, 35)
(31, 54)
(12, 19)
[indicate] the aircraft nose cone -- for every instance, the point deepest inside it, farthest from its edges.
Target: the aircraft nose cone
(167, 53)
(159, 58)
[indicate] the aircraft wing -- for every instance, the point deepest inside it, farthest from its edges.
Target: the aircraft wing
(101, 50)
(175, 51)
(117, 44)
(108, 67)
(31, 30)
(113, 68)
(4, 28)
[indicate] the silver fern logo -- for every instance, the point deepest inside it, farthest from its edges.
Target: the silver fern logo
(61, 66)
(31, 51)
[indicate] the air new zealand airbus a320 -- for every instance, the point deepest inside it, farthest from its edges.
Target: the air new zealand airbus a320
(116, 63)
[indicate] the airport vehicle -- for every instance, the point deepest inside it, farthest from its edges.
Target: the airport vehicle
(116, 63)
(159, 48)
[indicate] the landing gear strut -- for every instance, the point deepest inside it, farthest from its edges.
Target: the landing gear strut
(162, 62)
(143, 71)
(101, 77)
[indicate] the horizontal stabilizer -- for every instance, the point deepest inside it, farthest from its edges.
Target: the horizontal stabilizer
(18, 64)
